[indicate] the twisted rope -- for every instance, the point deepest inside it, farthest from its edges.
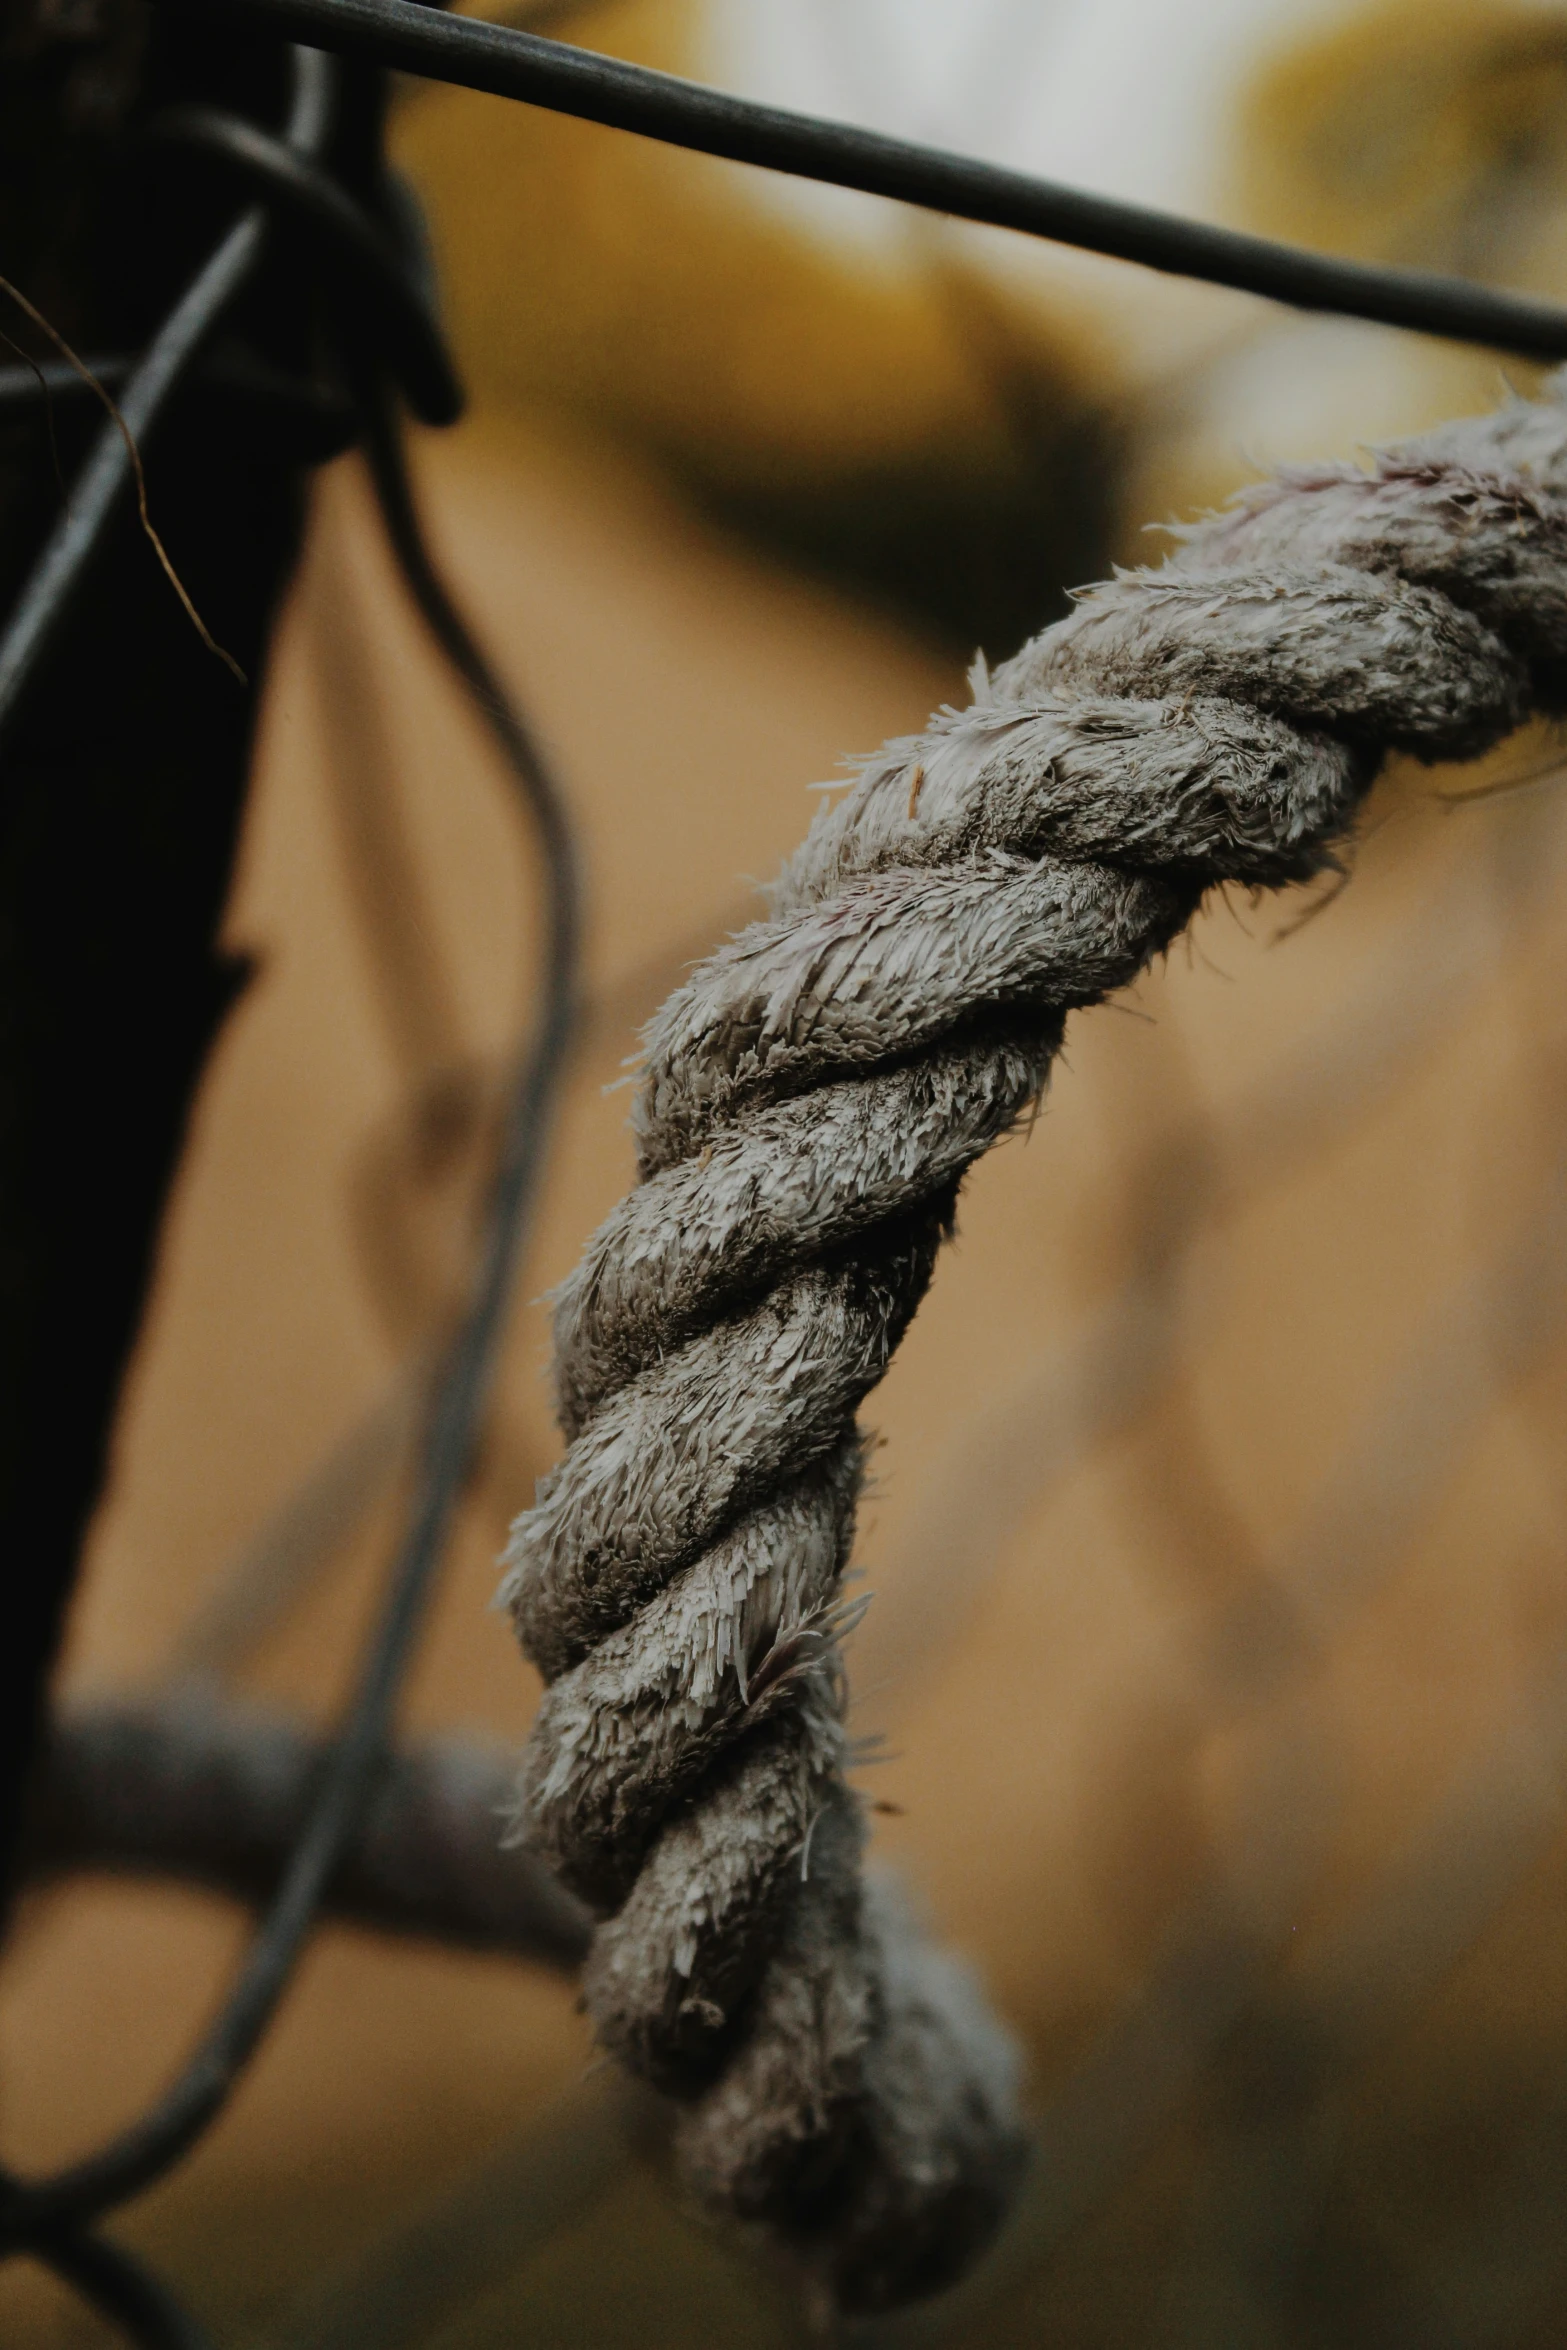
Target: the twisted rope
(812, 1099)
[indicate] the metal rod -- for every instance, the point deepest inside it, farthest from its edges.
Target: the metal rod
(511, 64)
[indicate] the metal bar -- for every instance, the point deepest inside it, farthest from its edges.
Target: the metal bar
(511, 64)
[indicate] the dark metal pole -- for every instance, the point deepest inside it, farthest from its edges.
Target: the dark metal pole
(122, 779)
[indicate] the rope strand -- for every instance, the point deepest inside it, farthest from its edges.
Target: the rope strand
(812, 1098)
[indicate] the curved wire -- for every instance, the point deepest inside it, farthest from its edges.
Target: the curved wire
(74, 540)
(71, 545)
(122, 2290)
(152, 2144)
(49, 2217)
(510, 63)
(384, 453)
(368, 271)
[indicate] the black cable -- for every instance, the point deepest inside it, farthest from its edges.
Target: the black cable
(52, 379)
(71, 545)
(320, 421)
(120, 2289)
(48, 2215)
(384, 453)
(390, 332)
(512, 64)
(152, 2144)
(369, 275)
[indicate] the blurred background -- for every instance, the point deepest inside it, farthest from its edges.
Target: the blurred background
(1219, 1536)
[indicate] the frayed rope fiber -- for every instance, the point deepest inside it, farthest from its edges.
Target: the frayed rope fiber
(812, 1099)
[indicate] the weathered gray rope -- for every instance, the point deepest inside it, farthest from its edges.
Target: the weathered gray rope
(812, 1098)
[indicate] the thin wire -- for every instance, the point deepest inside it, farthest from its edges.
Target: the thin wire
(158, 2139)
(41, 385)
(116, 416)
(509, 63)
(74, 541)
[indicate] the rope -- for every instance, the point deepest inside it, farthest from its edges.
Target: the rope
(812, 1099)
